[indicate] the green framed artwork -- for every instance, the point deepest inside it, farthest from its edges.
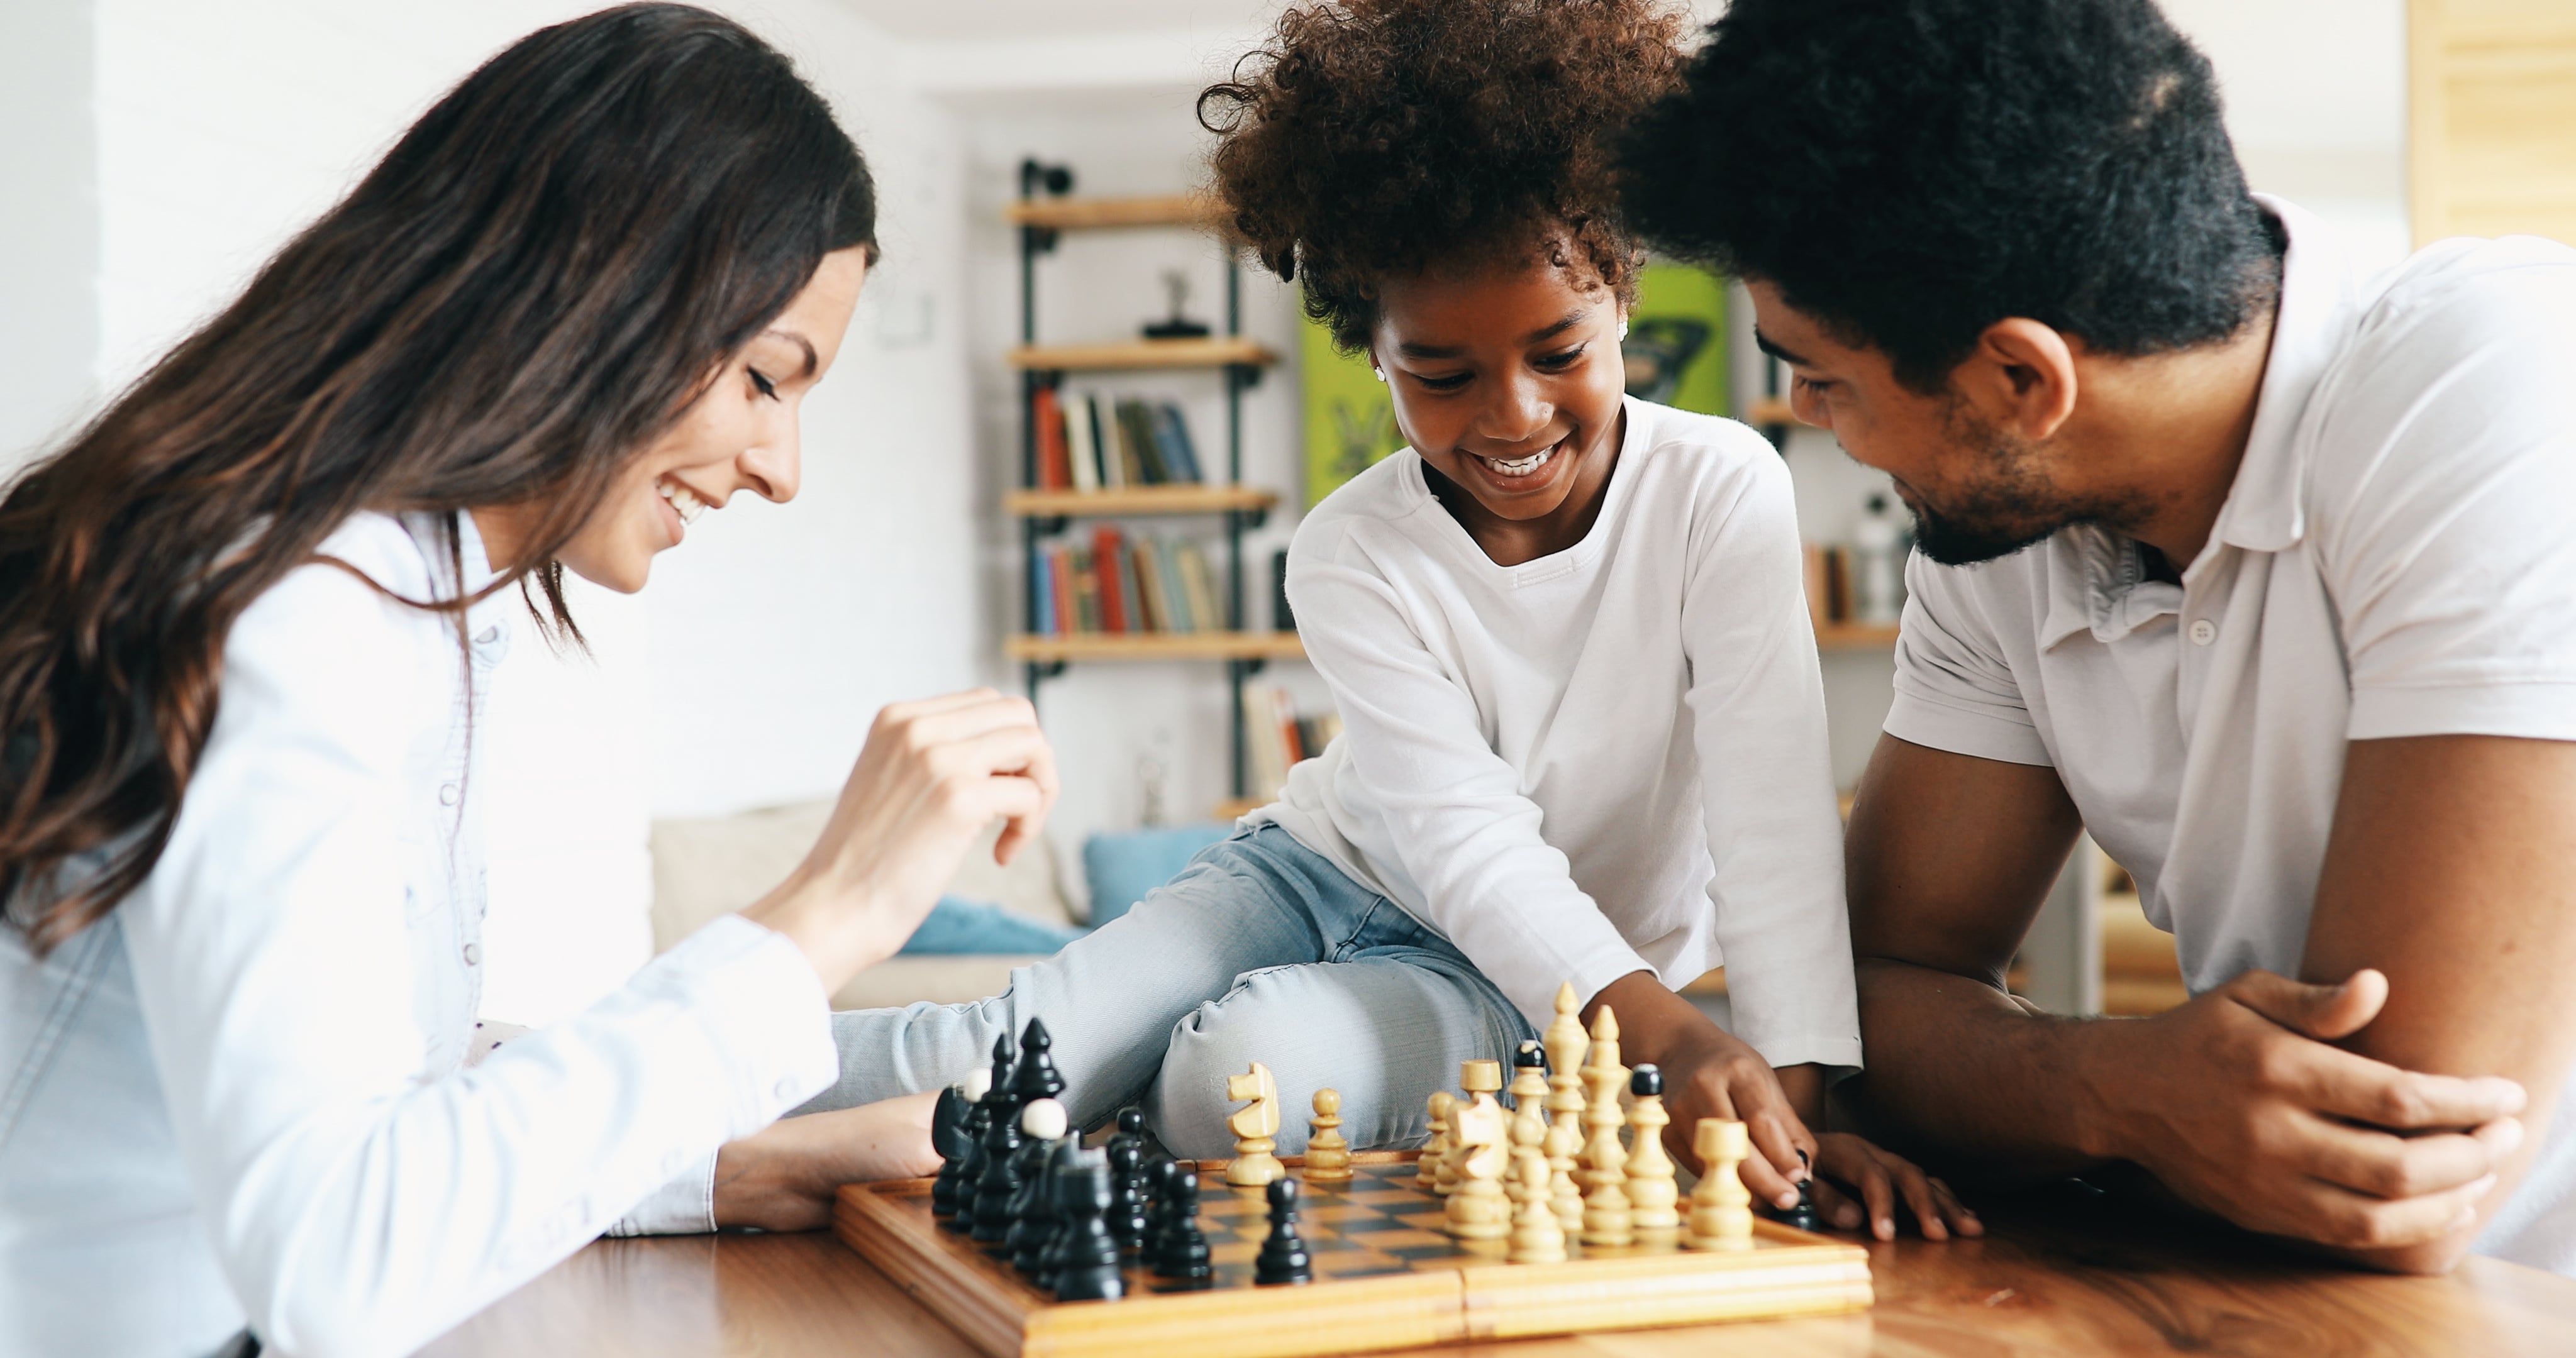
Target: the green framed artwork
(1675, 353)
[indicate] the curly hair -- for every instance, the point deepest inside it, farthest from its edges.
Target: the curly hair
(1911, 171)
(1379, 138)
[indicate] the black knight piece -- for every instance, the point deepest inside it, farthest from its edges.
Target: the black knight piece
(949, 1137)
(1283, 1256)
(1090, 1258)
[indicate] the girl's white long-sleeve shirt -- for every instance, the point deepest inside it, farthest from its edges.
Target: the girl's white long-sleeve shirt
(243, 1097)
(1606, 760)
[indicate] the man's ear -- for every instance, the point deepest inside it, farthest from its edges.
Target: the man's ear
(2021, 376)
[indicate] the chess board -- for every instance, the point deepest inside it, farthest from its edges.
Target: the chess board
(1386, 1277)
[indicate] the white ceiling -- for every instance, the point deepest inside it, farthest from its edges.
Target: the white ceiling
(969, 20)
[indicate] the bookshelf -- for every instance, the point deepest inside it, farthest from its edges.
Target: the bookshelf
(1044, 212)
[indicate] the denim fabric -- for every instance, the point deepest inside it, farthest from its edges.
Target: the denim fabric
(1260, 950)
(957, 926)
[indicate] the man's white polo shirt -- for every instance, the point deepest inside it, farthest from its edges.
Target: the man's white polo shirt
(2397, 557)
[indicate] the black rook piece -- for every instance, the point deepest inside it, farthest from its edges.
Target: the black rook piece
(1185, 1247)
(948, 1136)
(1283, 1256)
(1090, 1257)
(1646, 1082)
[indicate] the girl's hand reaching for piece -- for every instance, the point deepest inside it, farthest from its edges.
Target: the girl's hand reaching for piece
(1846, 1164)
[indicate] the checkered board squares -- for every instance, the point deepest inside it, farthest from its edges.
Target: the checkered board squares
(1386, 1277)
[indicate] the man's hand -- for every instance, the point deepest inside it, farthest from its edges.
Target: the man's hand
(2239, 1105)
(1708, 1073)
(782, 1178)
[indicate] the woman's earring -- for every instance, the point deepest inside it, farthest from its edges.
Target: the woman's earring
(1378, 372)
(1623, 330)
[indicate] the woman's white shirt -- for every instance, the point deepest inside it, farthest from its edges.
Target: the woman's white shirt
(1606, 760)
(244, 1098)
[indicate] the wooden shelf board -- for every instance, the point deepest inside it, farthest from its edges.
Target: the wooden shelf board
(1096, 504)
(1854, 636)
(1235, 807)
(1770, 410)
(1216, 351)
(1138, 646)
(1086, 214)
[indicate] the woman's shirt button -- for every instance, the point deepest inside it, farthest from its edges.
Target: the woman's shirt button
(473, 955)
(449, 793)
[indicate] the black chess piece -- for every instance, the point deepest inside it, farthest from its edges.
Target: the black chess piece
(1804, 1216)
(1001, 1142)
(1131, 1131)
(970, 1167)
(1089, 1257)
(1185, 1247)
(1159, 1195)
(1037, 1077)
(948, 1136)
(1059, 1215)
(1033, 1207)
(1529, 1057)
(1127, 1223)
(996, 1193)
(1283, 1257)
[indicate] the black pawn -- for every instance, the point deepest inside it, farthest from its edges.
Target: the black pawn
(1037, 1077)
(1804, 1216)
(949, 1137)
(1048, 1231)
(1090, 1258)
(995, 1195)
(1131, 1131)
(1159, 1195)
(1283, 1256)
(1185, 1247)
(1127, 1220)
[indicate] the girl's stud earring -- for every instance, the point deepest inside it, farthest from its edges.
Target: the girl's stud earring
(1623, 330)
(1378, 372)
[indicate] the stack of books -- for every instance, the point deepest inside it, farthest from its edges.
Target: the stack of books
(1276, 738)
(1089, 443)
(1117, 584)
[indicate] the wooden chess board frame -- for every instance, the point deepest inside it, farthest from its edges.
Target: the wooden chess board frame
(1443, 1291)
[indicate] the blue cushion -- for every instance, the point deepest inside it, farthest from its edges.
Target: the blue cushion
(957, 925)
(1123, 868)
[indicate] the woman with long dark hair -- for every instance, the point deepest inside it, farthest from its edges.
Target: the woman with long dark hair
(246, 621)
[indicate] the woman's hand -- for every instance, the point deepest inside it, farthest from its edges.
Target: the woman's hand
(932, 776)
(782, 1178)
(1848, 1164)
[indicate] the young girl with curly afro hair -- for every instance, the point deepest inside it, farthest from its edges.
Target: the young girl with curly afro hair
(1585, 730)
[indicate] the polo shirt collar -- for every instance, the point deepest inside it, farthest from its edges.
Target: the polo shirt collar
(2096, 577)
(2320, 307)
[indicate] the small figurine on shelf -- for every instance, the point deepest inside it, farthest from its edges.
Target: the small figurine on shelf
(1176, 285)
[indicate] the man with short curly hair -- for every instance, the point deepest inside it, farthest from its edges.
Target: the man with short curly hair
(2255, 567)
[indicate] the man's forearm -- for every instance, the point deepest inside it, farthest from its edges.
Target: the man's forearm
(1963, 1067)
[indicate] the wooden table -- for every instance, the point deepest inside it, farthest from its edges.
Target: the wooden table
(2059, 1273)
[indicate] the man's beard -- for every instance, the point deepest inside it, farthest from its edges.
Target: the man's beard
(2008, 503)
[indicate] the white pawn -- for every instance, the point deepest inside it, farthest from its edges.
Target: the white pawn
(1427, 1170)
(1536, 1236)
(1721, 1216)
(1328, 1155)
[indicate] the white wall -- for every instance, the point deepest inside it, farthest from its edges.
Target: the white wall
(748, 673)
(48, 224)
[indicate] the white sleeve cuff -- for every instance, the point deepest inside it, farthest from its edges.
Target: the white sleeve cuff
(1957, 729)
(767, 1022)
(2536, 709)
(684, 1206)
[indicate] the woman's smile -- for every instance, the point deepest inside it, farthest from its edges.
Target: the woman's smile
(680, 508)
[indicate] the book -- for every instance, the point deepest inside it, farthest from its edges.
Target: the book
(1119, 433)
(1282, 618)
(1173, 433)
(1263, 754)
(1168, 559)
(1136, 422)
(1108, 560)
(1146, 569)
(1041, 595)
(1079, 447)
(1086, 592)
(1199, 588)
(1131, 594)
(1060, 582)
(1104, 443)
(1054, 469)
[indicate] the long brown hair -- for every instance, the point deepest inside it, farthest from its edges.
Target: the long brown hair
(533, 284)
